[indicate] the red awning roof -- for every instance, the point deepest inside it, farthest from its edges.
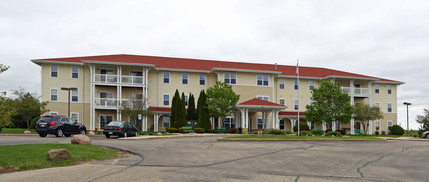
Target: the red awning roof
(291, 113)
(259, 102)
(208, 65)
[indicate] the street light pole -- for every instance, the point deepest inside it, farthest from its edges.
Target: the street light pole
(408, 123)
(68, 89)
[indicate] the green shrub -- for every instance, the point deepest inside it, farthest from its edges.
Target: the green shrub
(377, 133)
(172, 130)
(276, 132)
(200, 130)
(254, 132)
(383, 132)
(333, 133)
(396, 130)
(212, 131)
(317, 132)
(288, 132)
(302, 127)
(180, 130)
(305, 133)
(33, 122)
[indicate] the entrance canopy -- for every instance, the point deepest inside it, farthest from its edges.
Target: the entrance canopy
(258, 105)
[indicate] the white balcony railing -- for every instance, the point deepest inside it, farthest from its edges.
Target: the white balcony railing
(356, 91)
(132, 80)
(104, 78)
(106, 102)
(133, 103)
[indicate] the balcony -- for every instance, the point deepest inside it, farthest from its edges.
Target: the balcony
(359, 92)
(108, 103)
(106, 79)
(132, 80)
(133, 103)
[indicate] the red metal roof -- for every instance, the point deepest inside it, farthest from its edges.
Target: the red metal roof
(208, 65)
(259, 102)
(291, 113)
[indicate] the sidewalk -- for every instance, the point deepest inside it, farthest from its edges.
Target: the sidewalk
(406, 139)
(179, 135)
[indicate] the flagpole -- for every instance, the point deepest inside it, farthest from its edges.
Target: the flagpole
(297, 72)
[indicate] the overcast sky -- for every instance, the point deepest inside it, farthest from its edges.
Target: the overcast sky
(388, 39)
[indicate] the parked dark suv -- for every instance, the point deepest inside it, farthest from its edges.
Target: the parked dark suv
(59, 125)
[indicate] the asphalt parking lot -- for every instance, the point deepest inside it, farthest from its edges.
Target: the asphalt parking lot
(206, 159)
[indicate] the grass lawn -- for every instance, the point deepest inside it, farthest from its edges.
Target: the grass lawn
(17, 130)
(305, 137)
(34, 156)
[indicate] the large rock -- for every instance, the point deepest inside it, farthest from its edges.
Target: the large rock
(58, 154)
(91, 133)
(81, 139)
(27, 132)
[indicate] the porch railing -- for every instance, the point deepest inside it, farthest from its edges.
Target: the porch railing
(105, 78)
(356, 91)
(132, 80)
(106, 102)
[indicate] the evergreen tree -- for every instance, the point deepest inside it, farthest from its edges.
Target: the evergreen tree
(180, 116)
(191, 115)
(203, 112)
(173, 109)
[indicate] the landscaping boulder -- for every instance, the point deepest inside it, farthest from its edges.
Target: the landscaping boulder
(91, 133)
(81, 139)
(27, 132)
(58, 154)
(159, 134)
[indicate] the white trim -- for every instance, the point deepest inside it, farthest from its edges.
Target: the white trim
(71, 114)
(389, 87)
(294, 104)
(199, 79)
(245, 70)
(284, 101)
(350, 77)
(262, 80)
(118, 63)
(50, 113)
(71, 96)
(230, 78)
(389, 121)
(36, 61)
(50, 95)
(284, 84)
(391, 108)
(50, 71)
(309, 85)
(163, 77)
(300, 77)
(393, 83)
(182, 70)
(187, 79)
(78, 70)
(262, 96)
(169, 100)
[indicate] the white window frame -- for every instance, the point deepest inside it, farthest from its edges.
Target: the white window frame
(282, 84)
(377, 88)
(311, 85)
(228, 77)
(57, 71)
(262, 123)
(163, 121)
(391, 107)
(50, 94)
(389, 89)
(76, 113)
(264, 79)
(75, 72)
(389, 124)
(186, 100)
(185, 77)
(163, 99)
(377, 104)
(295, 85)
(166, 75)
(377, 124)
(202, 79)
(53, 113)
(284, 101)
(263, 97)
(74, 93)
(296, 104)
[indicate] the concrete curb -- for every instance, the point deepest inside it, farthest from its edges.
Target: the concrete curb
(149, 137)
(298, 140)
(18, 134)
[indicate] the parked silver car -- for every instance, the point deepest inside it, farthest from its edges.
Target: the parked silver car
(425, 134)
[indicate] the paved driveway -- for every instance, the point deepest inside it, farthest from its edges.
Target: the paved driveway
(205, 159)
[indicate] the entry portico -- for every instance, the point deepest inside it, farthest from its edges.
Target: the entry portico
(258, 105)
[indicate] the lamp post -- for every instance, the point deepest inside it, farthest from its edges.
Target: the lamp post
(68, 89)
(408, 126)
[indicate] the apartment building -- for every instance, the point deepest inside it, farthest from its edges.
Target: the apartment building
(268, 92)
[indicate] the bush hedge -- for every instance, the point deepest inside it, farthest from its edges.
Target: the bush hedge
(200, 130)
(396, 130)
(333, 133)
(172, 130)
(277, 132)
(318, 132)
(305, 133)
(212, 131)
(302, 127)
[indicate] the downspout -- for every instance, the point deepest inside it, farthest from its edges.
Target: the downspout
(83, 93)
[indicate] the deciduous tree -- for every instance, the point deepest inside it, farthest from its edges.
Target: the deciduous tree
(329, 104)
(3, 68)
(6, 112)
(28, 106)
(423, 120)
(221, 100)
(365, 113)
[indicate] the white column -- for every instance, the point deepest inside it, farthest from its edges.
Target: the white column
(155, 119)
(267, 120)
(292, 123)
(91, 102)
(324, 126)
(243, 118)
(246, 118)
(352, 102)
(352, 126)
(370, 127)
(334, 126)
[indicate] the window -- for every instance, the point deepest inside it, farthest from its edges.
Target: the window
(311, 84)
(166, 99)
(282, 84)
(266, 98)
(53, 113)
(295, 85)
(202, 79)
(54, 71)
(166, 77)
(74, 95)
(389, 89)
(377, 104)
(282, 102)
(296, 103)
(282, 124)
(312, 126)
(54, 94)
(377, 88)
(230, 78)
(75, 72)
(262, 80)
(337, 126)
(166, 121)
(389, 107)
(377, 125)
(75, 116)
(186, 100)
(260, 123)
(389, 124)
(185, 78)
(229, 123)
